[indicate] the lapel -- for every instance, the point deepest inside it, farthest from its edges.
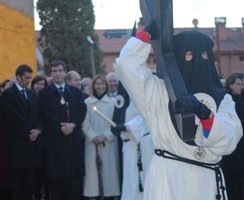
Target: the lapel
(22, 104)
(18, 95)
(31, 104)
(67, 92)
(54, 91)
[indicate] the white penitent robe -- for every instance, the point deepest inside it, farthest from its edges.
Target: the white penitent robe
(137, 134)
(170, 179)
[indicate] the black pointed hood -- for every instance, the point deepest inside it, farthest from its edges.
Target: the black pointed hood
(199, 73)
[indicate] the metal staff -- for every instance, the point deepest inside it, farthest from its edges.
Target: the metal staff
(70, 136)
(99, 164)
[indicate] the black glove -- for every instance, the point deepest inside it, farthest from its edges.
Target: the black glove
(190, 104)
(152, 29)
(118, 129)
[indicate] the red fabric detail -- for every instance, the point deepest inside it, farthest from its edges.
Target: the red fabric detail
(144, 36)
(207, 123)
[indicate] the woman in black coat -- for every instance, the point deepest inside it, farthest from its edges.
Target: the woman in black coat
(233, 165)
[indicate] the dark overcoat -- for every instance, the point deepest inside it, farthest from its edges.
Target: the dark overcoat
(64, 154)
(20, 117)
(4, 176)
(235, 161)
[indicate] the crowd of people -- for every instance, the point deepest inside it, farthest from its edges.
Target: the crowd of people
(114, 137)
(54, 146)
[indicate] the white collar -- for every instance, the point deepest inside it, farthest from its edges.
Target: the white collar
(105, 99)
(58, 86)
(19, 87)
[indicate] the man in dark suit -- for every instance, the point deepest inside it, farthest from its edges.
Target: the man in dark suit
(22, 124)
(63, 112)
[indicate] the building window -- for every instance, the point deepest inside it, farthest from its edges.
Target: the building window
(116, 34)
(241, 58)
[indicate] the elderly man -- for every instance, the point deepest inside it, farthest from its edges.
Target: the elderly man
(112, 81)
(73, 78)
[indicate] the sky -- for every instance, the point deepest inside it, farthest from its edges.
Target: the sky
(118, 14)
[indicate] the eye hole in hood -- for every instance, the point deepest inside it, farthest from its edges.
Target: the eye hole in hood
(205, 55)
(188, 56)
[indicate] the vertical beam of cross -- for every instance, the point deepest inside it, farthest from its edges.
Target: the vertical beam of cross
(167, 69)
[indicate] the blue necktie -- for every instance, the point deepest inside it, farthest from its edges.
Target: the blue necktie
(61, 91)
(23, 92)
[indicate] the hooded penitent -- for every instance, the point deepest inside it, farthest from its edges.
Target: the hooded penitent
(122, 102)
(193, 51)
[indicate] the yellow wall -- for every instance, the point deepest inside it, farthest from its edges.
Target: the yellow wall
(17, 41)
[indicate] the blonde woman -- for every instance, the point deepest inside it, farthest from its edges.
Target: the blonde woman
(100, 143)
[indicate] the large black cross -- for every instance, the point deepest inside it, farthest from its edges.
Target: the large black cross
(167, 69)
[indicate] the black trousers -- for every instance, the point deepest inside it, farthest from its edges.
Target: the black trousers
(234, 186)
(5, 194)
(65, 188)
(22, 181)
(41, 184)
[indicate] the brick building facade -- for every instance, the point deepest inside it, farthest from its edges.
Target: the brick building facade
(229, 46)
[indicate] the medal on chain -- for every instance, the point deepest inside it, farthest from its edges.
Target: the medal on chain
(62, 101)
